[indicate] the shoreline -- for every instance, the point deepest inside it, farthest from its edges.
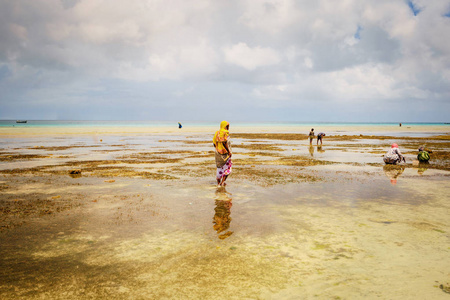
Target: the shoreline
(425, 130)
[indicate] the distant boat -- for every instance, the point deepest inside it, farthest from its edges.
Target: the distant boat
(21, 121)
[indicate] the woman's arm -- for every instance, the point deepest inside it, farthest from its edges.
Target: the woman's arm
(400, 154)
(225, 144)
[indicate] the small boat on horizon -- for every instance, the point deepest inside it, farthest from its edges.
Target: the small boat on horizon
(21, 121)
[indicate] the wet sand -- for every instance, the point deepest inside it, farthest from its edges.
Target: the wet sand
(145, 220)
(18, 130)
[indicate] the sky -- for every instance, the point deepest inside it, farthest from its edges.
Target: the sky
(239, 60)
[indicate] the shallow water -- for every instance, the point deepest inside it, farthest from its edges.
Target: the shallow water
(360, 232)
(141, 239)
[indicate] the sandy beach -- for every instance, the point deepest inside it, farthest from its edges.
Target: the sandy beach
(144, 218)
(15, 130)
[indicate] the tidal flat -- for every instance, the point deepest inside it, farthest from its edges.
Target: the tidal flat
(144, 219)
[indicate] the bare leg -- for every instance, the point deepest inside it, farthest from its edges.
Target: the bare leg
(222, 183)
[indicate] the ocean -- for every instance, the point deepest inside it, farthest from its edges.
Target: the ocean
(113, 123)
(330, 128)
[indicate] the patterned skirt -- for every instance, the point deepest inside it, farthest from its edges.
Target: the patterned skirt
(224, 170)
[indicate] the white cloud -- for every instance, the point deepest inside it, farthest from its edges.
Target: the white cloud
(271, 16)
(196, 60)
(309, 63)
(19, 31)
(251, 58)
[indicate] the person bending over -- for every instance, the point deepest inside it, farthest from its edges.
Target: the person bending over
(319, 137)
(393, 156)
(423, 155)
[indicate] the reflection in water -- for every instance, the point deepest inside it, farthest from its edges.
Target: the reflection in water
(222, 214)
(311, 150)
(423, 166)
(393, 171)
(320, 149)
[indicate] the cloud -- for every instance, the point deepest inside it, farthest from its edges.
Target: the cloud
(250, 58)
(268, 54)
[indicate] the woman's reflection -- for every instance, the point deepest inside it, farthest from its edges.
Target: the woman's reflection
(222, 219)
(311, 150)
(393, 172)
(423, 166)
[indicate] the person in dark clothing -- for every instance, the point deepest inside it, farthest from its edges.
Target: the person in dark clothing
(319, 137)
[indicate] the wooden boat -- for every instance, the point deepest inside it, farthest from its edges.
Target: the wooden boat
(21, 121)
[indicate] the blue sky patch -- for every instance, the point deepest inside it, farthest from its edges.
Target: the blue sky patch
(4, 71)
(413, 8)
(357, 33)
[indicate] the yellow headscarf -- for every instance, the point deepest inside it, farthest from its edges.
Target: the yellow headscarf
(220, 137)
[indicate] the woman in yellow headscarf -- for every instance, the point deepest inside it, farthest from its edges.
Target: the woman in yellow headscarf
(222, 145)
